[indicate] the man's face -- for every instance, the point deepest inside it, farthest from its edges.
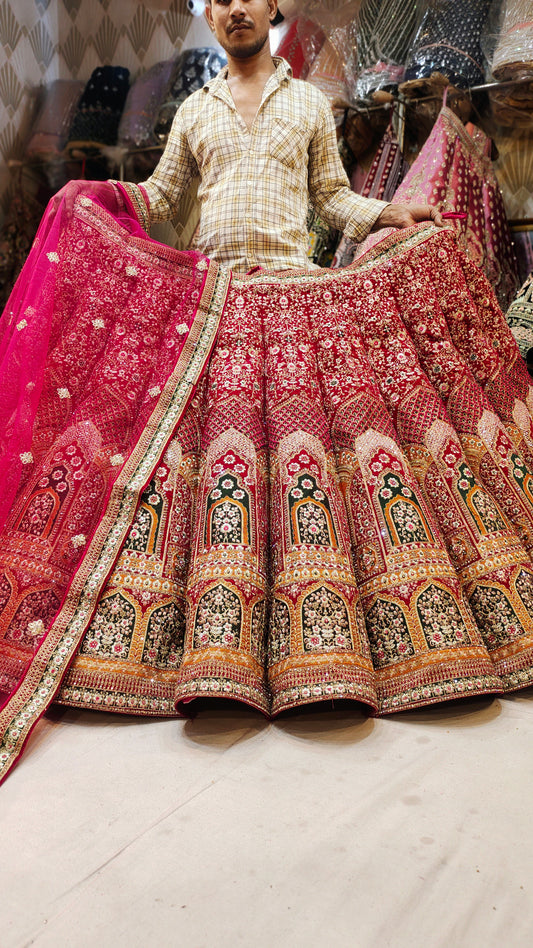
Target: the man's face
(241, 26)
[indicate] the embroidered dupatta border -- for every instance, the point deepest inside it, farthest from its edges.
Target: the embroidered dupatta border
(50, 663)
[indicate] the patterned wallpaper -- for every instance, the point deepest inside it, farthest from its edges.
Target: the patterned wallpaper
(41, 40)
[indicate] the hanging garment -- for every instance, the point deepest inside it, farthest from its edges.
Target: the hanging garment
(513, 55)
(137, 123)
(98, 114)
(51, 129)
(301, 45)
(520, 318)
(448, 41)
(192, 69)
(453, 171)
(284, 488)
(385, 174)
(383, 37)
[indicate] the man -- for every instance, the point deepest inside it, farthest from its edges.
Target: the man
(263, 144)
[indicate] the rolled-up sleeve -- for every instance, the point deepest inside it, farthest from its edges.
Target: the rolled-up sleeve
(329, 188)
(172, 176)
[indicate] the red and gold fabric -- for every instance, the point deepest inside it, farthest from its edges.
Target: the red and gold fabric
(325, 492)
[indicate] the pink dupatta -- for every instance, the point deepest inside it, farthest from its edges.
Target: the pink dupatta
(104, 338)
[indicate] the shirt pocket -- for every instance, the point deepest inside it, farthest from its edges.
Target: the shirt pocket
(287, 145)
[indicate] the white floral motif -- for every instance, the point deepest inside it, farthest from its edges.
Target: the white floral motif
(53, 257)
(79, 540)
(26, 457)
(116, 459)
(63, 393)
(22, 324)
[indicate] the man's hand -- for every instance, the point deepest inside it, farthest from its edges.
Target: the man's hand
(406, 215)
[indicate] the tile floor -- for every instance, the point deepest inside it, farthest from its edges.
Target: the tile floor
(323, 829)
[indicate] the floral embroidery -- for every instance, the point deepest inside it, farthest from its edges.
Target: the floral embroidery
(109, 634)
(279, 632)
(142, 535)
(218, 619)
(403, 515)
(35, 607)
(495, 616)
(309, 510)
(258, 631)
(228, 511)
(325, 622)
(226, 523)
(163, 645)
(441, 619)
(524, 588)
(388, 633)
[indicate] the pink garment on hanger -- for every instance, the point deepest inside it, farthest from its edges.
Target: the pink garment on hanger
(454, 172)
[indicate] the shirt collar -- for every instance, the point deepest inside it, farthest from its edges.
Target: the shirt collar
(217, 85)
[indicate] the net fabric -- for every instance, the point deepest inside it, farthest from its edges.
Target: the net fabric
(26, 326)
(95, 327)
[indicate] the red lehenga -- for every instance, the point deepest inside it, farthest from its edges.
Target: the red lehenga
(281, 489)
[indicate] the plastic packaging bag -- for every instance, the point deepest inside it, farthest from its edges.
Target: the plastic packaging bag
(449, 42)
(513, 53)
(384, 33)
(194, 68)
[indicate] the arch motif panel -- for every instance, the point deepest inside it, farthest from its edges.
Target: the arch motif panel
(388, 633)
(311, 520)
(524, 588)
(227, 513)
(218, 619)
(165, 633)
(495, 616)
(143, 533)
(440, 618)
(111, 630)
(258, 631)
(403, 516)
(325, 621)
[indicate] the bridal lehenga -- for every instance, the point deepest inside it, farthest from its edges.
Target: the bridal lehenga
(286, 488)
